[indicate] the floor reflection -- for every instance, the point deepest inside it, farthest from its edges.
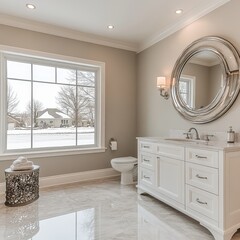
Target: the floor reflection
(156, 224)
(101, 210)
(158, 221)
(73, 226)
(22, 223)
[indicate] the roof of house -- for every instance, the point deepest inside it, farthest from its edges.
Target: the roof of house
(52, 113)
(12, 119)
(46, 115)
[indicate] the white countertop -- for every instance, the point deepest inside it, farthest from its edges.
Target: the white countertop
(217, 145)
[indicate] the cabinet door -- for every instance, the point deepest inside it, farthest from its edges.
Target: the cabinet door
(170, 178)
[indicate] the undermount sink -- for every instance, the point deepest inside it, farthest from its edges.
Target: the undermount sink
(179, 139)
(185, 140)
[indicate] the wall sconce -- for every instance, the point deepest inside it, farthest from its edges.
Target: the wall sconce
(161, 85)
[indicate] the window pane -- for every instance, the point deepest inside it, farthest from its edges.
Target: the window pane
(67, 76)
(86, 224)
(183, 86)
(86, 78)
(60, 228)
(53, 123)
(86, 116)
(18, 70)
(18, 114)
(43, 73)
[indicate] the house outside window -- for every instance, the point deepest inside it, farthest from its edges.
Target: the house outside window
(47, 102)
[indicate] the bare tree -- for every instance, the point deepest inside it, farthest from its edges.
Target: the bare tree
(12, 100)
(78, 102)
(25, 119)
(34, 109)
(71, 103)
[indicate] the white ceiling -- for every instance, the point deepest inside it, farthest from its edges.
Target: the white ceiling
(138, 23)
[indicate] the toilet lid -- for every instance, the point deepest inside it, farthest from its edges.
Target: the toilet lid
(124, 160)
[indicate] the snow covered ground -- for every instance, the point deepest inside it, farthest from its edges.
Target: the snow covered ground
(52, 130)
(50, 137)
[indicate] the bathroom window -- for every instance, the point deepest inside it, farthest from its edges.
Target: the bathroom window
(51, 104)
(187, 89)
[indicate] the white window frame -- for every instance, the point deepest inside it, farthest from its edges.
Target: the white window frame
(192, 83)
(100, 105)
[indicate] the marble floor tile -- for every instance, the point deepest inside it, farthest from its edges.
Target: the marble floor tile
(97, 210)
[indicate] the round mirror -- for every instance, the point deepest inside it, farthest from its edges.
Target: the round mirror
(205, 79)
(201, 80)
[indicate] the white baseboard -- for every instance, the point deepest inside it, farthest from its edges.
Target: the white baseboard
(71, 178)
(77, 177)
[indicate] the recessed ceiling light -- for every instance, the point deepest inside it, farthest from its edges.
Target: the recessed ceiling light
(179, 11)
(30, 6)
(110, 27)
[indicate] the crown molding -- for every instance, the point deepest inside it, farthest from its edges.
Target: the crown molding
(186, 19)
(64, 32)
(183, 22)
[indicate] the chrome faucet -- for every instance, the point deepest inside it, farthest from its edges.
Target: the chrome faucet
(197, 134)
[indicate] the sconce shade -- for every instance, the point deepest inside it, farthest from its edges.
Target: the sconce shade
(161, 85)
(161, 81)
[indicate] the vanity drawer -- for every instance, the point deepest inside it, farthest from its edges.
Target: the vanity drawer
(202, 177)
(202, 202)
(202, 157)
(147, 176)
(147, 160)
(172, 151)
(147, 147)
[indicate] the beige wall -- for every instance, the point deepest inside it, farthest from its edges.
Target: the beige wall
(120, 97)
(215, 84)
(156, 115)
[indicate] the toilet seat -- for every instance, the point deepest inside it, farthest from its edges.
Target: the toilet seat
(124, 160)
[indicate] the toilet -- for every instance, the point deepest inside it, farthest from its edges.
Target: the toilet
(125, 165)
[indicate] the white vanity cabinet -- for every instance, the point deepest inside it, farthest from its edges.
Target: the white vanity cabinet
(200, 180)
(161, 171)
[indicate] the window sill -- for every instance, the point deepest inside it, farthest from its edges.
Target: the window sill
(51, 153)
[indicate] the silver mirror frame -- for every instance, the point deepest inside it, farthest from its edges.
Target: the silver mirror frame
(229, 57)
